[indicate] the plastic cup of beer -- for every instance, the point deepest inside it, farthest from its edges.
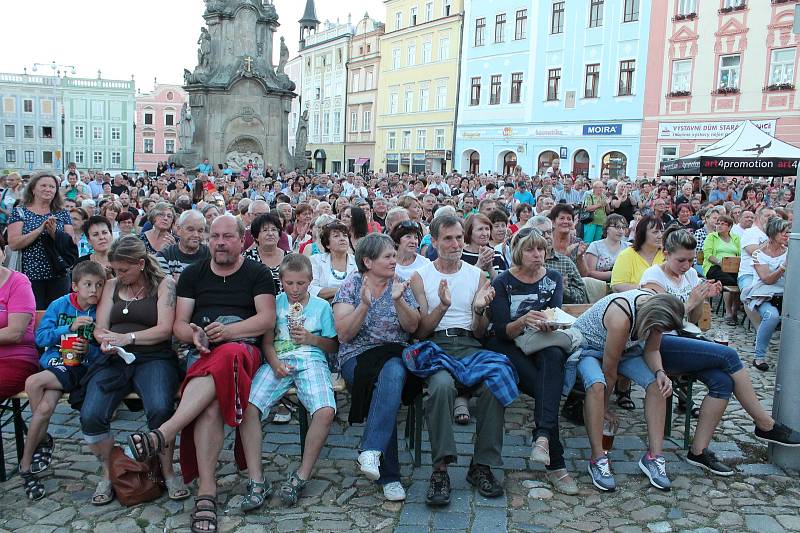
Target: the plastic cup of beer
(609, 432)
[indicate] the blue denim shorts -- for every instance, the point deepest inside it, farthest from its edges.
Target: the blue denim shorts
(632, 365)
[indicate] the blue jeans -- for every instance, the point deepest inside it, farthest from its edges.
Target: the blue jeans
(155, 382)
(709, 362)
(770, 320)
(380, 431)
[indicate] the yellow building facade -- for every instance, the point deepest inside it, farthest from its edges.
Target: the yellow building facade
(418, 85)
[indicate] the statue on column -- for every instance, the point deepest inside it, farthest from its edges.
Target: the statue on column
(186, 127)
(204, 51)
(284, 57)
(301, 138)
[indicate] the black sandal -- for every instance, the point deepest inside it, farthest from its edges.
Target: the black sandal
(292, 488)
(762, 366)
(33, 487)
(681, 409)
(148, 451)
(43, 455)
(210, 520)
(624, 400)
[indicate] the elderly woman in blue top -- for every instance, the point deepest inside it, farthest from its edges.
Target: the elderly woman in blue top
(375, 314)
(521, 294)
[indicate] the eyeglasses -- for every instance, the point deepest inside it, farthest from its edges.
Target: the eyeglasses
(621, 228)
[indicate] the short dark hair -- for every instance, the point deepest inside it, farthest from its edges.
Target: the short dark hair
(327, 229)
(559, 208)
(94, 221)
(498, 215)
(267, 218)
(296, 263)
(88, 268)
(404, 228)
(641, 230)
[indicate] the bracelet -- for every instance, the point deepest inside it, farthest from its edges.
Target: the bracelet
(660, 370)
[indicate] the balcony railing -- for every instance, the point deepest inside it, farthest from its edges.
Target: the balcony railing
(726, 90)
(731, 9)
(679, 94)
(684, 16)
(779, 87)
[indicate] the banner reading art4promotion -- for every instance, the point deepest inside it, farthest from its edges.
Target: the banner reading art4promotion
(708, 130)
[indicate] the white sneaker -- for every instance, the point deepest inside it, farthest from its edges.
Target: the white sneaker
(394, 492)
(369, 462)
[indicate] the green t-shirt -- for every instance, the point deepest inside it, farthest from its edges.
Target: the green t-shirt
(599, 214)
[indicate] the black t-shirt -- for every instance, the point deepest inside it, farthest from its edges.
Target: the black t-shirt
(231, 296)
(119, 189)
(498, 262)
(625, 209)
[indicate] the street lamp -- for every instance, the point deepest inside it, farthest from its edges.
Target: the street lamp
(133, 154)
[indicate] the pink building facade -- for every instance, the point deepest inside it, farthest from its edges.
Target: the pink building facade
(157, 116)
(712, 64)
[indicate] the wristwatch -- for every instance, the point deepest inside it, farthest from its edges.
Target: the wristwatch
(133, 338)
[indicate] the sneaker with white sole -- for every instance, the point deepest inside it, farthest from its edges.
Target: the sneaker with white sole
(369, 462)
(602, 478)
(394, 492)
(655, 468)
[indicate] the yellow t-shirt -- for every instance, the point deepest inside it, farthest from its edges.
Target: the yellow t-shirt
(629, 267)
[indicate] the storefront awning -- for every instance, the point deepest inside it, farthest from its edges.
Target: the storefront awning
(361, 161)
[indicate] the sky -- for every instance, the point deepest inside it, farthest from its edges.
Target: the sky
(145, 38)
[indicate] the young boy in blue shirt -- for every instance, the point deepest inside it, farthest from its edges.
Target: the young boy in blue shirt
(295, 350)
(65, 333)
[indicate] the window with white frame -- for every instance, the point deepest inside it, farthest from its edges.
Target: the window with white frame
(148, 146)
(80, 157)
(337, 122)
(97, 133)
(734, 3)
(781, 69)
(441, 95)
(729, 71)
(169, 146)
(368, 81)
(353, 122)
(444, 48)
(627, 71)
(393, 98)
(557, 18)
(439, 134)
(11, 156)
(428, 11)
(97, 158)
(500, 28)
(27, 106)
(396, 58)
(169, 119)
(409, 102)
(47, 107)
(116, 157)
(47, 157)
(148, 119)
(681, 75)
(398, 20)
(424, 98)
(480, 31)
(413, 19)
(116, 133)
(406, 142)
(411, 55)
(10, 131)
(356, 82)
(422, 139)
(315, 125)
(78, 131)
(596, 13)
(9, 104)
(47, 132)
(391, 140)
(687, 7)
(426, 52)
(475, 91)
(521, 24)
(326, 123)
(367, 125)
(668, 153)
(630, 11)
(28, 132)
(29, 157)
(446, 8)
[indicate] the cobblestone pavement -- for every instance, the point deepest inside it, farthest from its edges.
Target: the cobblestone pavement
(759, 497)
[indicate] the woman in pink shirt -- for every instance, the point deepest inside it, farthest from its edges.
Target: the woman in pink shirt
(18, 355)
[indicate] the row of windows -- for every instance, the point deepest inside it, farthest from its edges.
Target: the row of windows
(79, 157)
(326, 123)
(427, 53)
(169, 119)
(591, 82)
(496, 89)
(781, 71)
(630, 13)
(28, 132)
(10, 105)
(427, 14)
(421, 140)
(423, 99)
(366, 121)
(79, 132)
(149, 144)
(355, 81)
(520, 27)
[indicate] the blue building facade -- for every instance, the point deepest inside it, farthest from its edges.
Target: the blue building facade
(552, 80)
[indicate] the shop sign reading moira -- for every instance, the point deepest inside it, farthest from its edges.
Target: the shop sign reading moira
(707, 130)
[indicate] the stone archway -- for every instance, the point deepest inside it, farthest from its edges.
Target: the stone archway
(243, 149)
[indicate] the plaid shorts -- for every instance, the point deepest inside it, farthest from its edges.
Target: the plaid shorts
(310, 376)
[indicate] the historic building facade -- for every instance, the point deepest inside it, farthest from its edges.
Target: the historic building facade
(324, 55)
(695, 91)
(49, 119)
(418, 85)
(157, 116)
(552, 80)
(362, 95)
